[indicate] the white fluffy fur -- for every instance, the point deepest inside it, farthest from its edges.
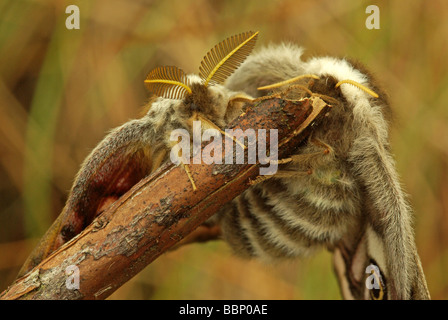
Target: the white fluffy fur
(371, 168)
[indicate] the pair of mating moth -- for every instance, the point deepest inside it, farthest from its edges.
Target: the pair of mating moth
(338, 191)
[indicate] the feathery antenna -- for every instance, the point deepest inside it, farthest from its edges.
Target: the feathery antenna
(219, 63)
(168, 82)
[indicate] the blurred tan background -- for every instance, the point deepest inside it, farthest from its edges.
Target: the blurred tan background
(62, 90)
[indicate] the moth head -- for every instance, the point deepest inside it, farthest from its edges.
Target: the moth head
(204, 95)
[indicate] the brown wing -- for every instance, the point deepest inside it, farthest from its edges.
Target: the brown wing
(122, 159)
(360, 275)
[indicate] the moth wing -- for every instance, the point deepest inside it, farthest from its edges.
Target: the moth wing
(362, 277)
(125, 156)
(386, 239)
(359, 269)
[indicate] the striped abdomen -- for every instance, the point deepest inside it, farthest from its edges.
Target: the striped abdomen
(292, 216)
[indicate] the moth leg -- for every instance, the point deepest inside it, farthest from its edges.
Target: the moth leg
(289, 81)
(271, 96)
(283, 93)
(241, 98)
(236, 105)
(274, 95)
(317, 154)
(186, 168)
(266, 177)
(297, 87)
(211, 125)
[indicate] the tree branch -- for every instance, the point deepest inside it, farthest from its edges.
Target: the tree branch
(159, 211)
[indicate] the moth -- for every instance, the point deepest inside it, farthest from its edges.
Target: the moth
(138, 147)
(340, 191)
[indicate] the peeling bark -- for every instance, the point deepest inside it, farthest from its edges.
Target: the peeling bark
(159, 211)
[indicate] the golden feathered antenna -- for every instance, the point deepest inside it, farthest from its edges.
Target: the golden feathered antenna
(216, 66)
(219, 63)
(168, 82)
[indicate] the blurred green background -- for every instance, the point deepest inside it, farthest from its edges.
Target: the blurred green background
(61, 90)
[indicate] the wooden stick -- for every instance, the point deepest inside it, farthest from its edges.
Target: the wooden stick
(159, 211)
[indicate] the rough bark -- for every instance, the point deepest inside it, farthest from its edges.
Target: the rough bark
(159, 211)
